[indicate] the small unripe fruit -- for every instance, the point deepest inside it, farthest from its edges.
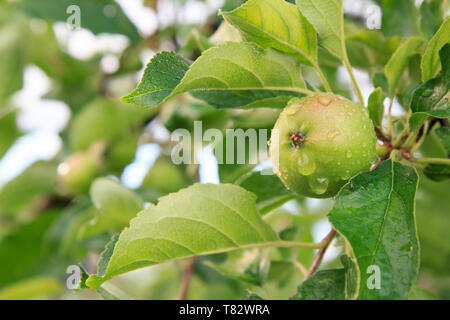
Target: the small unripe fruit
(320, 142)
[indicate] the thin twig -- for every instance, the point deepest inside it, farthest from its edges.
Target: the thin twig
(186, 281)
(318, 259)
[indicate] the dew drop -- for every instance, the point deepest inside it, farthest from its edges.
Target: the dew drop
(347, 175)
(318, 185)
(332, 134)
(325, 100)
(306, 166)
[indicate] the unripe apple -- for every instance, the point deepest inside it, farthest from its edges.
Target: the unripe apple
(320, 142)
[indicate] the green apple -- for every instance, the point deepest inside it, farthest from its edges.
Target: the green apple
(320, 142)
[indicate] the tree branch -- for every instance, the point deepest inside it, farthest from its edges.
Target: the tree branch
(316, 263)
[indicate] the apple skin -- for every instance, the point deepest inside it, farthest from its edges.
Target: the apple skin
(321, 141)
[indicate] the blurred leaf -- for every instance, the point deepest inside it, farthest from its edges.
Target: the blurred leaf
(114, 201)
(399, 61)
(400, 18)
(432, 98)
(8, 131)
(417, 293)
(269, 190)
(430, 61)
(24, 252)
(376, 106)
(369, 50)
(195, 41)
(375, 213)
(443, 135)
(34, 288)
(327, 17)
(323, 285)
(99, 16)
(165, 177)
(103, 120)
(437, 172)
(18, 194)
(269, 23)
(13, 52)
(179, 227)
(431, 12)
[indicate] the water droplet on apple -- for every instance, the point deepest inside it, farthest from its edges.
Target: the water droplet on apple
(318, 185)
(325, 100)
(306, 166)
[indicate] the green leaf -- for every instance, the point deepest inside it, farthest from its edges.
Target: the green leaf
(13, 50)
(323, 285)
(18, 194)
(162, 74)
(34, 288)
(400, 18)
(443, 135)
(26, 250)
(376, 106)
(276, 24)
(437, 172)
(351, 277)
(269, 190)
(198, 220)
(327, 17)
(229, 75)
(8, 131)
(430, 61)
(103, 120)
(92, 15)
(432, 98)
(418, 293)
(243, 75)
(431, 12)
(369, 50)
(114, 201)
(399, 61)
(375, 213)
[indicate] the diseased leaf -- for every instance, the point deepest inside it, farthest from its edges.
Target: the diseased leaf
(430, 61)
(399, 61)
(327, 17)
(323, 285)
(400, 18)
(269, 190)
(433, 97)
(276, 24)
(376, 106)
(198, 220)
(375, 213)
